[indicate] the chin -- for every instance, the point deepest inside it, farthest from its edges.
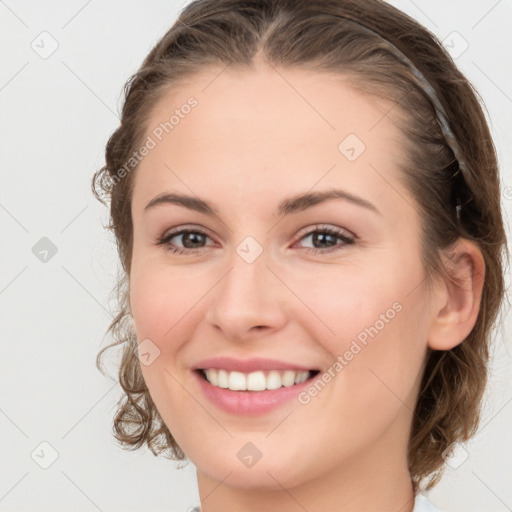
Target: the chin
(269, 475)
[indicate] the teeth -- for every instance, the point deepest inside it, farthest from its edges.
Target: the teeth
(273, 380)
(300, 378)
(254, 381)
(237, 381)
(213, 377)
(291, 378)
(222, 379)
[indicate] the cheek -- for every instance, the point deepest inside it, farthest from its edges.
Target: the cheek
(347, 302)
(162, 302)
(373, 322)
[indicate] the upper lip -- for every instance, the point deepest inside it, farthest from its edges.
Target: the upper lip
(248, 365)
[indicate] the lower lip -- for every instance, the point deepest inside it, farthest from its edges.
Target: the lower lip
(250, 403)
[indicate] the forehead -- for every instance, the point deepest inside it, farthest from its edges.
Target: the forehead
(268, 128)
(274, 97)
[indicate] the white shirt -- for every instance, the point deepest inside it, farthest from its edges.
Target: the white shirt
(421, 504)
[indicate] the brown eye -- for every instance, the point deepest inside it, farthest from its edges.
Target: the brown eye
(327, 239)
(190, 239)
(184, 240)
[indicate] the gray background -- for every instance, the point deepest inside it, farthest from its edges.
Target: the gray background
(57, 112)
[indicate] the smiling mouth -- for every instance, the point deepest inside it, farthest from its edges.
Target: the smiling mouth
(255, 381)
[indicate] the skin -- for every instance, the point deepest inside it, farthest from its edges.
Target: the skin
(253, 140)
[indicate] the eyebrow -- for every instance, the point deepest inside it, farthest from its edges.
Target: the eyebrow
(290, 205)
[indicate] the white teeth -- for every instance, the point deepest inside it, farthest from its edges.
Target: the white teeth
(290, 378)
(222, 379)
(254, 381)
(273, 380)
(237, 381)
(212, 377)
(300, 378)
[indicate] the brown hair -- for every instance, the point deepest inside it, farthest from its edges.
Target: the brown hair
(330, 36)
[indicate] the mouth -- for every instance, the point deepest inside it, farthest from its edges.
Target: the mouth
(261, 380)
(251, 386)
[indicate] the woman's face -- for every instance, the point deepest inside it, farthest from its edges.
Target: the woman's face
(256, 291)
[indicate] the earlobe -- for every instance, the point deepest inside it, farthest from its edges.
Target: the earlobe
(457, 298)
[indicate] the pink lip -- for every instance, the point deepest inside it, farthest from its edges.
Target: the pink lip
(248, 403)
(247, 365)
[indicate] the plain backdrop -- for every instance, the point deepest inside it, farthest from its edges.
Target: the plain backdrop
(63, 65)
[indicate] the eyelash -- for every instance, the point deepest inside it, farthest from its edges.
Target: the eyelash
(327, 230)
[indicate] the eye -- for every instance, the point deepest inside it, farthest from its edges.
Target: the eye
(324, 239)
(192, 240)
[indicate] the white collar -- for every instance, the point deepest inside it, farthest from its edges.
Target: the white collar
(422, 504)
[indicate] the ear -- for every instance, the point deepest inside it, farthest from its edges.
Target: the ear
(457, 295)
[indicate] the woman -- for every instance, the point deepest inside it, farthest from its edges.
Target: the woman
(305, 197)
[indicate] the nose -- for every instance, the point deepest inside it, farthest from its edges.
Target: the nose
(249, 301)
